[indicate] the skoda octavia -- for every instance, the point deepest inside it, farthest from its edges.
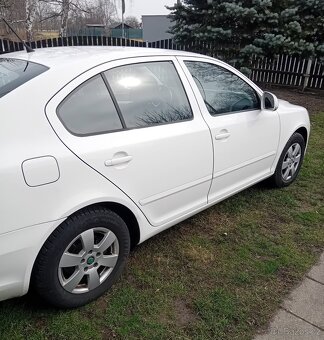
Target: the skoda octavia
(102, 148)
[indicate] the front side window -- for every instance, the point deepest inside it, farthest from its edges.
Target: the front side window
(149, 94)
(89, 109)
(15, 72)
(222, 90)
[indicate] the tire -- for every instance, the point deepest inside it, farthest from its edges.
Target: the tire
(82, 258)
(289, 162)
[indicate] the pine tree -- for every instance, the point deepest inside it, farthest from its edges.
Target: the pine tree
(300, 30)
(232, 22)
(261, 27)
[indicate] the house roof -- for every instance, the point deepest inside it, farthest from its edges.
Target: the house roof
(125, 26)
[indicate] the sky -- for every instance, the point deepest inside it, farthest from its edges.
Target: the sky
(141, 7)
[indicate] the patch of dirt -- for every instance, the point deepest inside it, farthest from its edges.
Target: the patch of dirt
(108, 334)
(101, 304)
(41, 323)
(183, 314)
(313, 100)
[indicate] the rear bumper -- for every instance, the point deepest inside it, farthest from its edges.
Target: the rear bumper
(18, 252)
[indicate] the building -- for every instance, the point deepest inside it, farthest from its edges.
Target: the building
(95, 29)
(129, 32)
(156, 27)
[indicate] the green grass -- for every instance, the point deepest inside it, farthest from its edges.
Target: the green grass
(218, 275)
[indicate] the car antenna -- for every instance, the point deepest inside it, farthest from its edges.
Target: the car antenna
(28, 48)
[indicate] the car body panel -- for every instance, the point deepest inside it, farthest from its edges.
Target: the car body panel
(292, 117)
(18, 252)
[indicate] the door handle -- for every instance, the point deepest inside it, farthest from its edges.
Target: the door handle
(221, 136)
(118, 160)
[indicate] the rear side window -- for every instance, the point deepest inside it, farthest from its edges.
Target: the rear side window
(89, 109)
(149, 94)
(15, 72)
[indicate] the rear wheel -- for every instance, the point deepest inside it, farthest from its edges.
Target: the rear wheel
(83, 257)
(289, 162)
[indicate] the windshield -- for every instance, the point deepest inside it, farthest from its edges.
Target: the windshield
(15, 72)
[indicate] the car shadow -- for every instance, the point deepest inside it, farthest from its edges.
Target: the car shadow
(30, 303)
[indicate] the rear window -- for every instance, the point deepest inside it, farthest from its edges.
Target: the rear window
(15, 72)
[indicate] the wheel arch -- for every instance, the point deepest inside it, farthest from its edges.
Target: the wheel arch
(303, 131)
(125, 213)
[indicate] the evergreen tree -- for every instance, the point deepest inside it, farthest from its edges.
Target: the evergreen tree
(300, 30)
(232, 22)
(261, 27)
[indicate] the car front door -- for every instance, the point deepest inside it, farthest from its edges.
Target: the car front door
(136, 123)
(245, 136)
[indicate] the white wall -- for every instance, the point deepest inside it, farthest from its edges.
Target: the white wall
(155, 27)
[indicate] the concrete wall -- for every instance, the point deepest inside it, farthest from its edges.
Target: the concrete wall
(155, 27)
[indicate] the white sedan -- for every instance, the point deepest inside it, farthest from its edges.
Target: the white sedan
(102, 148)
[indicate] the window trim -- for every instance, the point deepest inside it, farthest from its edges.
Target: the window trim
(110, 91)
(206, 61)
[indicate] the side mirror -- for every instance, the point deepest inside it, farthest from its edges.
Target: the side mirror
(269, 101)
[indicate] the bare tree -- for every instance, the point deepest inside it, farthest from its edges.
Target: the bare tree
(14, 11)
(32, 15)
(64, 17)
(105, 11)
(96, 10)
(31, 6)
(5, 3)
(133, 22)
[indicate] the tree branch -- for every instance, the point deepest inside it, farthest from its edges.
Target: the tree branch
(55, 15)
(79, 8)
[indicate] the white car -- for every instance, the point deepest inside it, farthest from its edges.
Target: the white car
(102, 148)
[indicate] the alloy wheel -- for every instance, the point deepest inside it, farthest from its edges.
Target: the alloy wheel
(88, 260)
(291, 162)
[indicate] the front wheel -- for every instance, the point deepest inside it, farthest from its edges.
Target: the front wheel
(83, 257)
(289, 162)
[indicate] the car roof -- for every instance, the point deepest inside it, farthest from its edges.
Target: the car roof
(89, 56)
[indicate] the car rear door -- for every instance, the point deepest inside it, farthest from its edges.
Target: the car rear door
(136, 122)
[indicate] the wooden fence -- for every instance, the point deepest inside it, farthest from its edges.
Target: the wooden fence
(281, 70)
(288, 70)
